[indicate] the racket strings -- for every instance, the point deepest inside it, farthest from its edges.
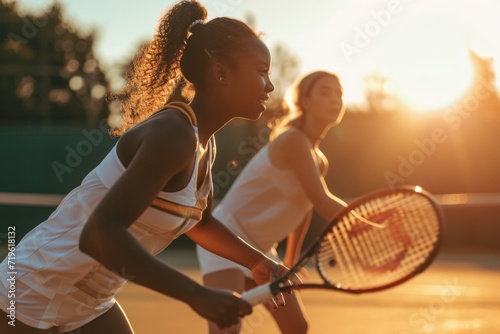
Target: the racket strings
(380, 261)
(361, 256)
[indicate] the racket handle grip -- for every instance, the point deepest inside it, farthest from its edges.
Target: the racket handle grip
(258, 295)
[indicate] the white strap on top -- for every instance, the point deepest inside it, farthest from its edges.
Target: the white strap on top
(176, 208)
(185, 109)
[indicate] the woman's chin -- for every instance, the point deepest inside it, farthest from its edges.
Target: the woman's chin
(257, 113)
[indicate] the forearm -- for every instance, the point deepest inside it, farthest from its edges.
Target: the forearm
(295, 241)
(212, 235)
(292, 252)
(114, 247)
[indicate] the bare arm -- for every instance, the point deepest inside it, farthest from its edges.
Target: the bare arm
(303, 162)
(212, 235)
(295, 240)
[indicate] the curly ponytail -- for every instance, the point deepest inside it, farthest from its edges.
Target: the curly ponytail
(155, 71)
(180, 51)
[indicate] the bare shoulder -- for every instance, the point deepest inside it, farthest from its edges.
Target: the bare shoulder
(287, 147)
(291, 140)
(165, 134)
(170, 126)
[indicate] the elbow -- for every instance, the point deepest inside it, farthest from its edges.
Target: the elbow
(86, 243)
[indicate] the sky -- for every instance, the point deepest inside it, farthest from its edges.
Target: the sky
(421, 45)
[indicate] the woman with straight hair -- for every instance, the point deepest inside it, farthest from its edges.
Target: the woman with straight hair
(274, 196)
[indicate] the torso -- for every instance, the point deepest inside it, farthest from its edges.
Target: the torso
(267, 200)
(130, 141)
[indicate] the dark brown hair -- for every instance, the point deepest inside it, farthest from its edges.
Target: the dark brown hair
(174, 55)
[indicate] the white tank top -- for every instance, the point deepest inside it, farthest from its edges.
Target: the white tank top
(265, 203)
(171, 213)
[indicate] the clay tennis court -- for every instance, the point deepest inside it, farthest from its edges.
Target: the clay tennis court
(458, 294)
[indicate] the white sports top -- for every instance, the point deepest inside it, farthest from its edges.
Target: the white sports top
(265, 203)
(58, 285)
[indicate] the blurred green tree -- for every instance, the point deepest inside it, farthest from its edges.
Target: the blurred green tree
(284, 72)
(48, 71)
(378, 95)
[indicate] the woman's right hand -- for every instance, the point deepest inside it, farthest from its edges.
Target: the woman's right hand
(222, 307)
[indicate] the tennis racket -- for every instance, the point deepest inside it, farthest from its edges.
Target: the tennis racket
(380, 240)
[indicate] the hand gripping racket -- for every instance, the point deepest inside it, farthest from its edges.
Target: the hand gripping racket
(378, 241)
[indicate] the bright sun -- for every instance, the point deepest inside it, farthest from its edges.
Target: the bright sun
(430, 65)
(421, 46)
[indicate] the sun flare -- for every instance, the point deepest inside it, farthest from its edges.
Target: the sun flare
(421, 47)
(429, 64)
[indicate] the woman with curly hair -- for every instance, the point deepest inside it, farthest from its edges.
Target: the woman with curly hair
(153, 186)
(274, 196)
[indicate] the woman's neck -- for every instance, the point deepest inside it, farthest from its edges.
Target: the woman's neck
(209, 117)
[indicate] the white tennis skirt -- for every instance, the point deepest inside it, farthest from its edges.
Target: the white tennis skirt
(56, 285)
